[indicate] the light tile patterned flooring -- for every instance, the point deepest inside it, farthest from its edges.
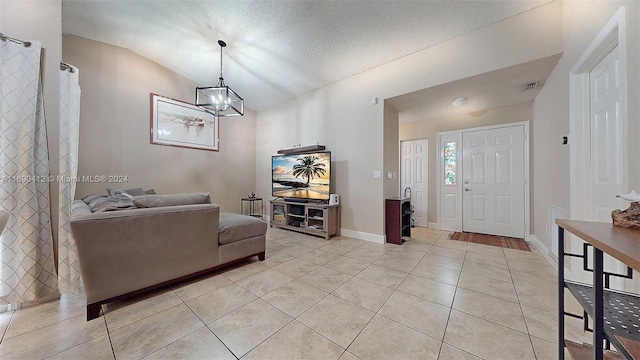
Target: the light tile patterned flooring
(430, 298)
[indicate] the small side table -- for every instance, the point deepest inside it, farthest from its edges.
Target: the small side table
(254, 205)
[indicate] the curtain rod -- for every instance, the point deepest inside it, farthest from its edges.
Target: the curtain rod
(65, 66)
(4, 37)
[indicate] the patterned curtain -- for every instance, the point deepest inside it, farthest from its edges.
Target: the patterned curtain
(27, 271)
(68, 266)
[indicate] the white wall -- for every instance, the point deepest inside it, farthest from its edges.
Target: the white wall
(42, 20)
(430, 128)
(115, 125)
(342, 117)
(583, 20)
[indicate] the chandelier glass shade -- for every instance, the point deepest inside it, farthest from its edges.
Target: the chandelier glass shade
(220, 100)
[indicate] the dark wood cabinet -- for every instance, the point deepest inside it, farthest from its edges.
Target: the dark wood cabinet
(397, 219)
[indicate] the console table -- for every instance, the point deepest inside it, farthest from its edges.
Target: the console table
(616, 314)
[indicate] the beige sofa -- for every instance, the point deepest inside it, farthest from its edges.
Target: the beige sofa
(122, 253)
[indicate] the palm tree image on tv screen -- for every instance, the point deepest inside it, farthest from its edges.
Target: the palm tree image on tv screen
(306, 176)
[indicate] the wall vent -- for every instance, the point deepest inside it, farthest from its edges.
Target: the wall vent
(529, 86)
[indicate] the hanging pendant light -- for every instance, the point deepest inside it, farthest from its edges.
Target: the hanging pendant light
(220, 100)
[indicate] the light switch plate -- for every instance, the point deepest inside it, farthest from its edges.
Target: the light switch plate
(377, 174)
(389, 174)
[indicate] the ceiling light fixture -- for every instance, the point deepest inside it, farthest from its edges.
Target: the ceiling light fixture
(459, 101)
(220, 100)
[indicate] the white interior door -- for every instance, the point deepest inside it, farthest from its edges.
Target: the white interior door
(606, 138)
(414, 160)
(606, 162)
(494, 181)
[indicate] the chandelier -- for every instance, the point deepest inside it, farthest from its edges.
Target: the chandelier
(220, 100)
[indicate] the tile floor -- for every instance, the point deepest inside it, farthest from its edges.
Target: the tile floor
(430, 298)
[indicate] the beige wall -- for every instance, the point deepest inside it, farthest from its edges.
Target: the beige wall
(391, 187)
(42, 20)
(430, 128)
(582, 22)
(114, 130)
(342, 116)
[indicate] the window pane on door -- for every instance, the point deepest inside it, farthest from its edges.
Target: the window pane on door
(450, 163)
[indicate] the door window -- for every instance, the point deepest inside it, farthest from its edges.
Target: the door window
(450, 163)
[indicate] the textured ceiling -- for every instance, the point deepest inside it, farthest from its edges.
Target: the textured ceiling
(494, 89)
(278, 50)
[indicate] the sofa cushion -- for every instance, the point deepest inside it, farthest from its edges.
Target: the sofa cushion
(234, 227)
(150, 201)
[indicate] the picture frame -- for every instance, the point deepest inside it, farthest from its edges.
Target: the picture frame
(178, 123)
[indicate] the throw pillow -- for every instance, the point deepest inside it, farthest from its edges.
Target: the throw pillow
(149, 201)
(112, 203)
(88, 199)
(132, 192)
(96, 202)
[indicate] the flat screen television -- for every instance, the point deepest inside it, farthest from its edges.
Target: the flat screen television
(301, 176)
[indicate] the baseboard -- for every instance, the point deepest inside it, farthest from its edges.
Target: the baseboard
(433, 225)
(360, 235)
(543, 250)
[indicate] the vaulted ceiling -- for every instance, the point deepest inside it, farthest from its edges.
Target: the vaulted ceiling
(278, 50)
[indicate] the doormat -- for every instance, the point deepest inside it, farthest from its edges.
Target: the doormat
(493, 240)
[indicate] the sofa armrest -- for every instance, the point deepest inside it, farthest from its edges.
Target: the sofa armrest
(127, 250)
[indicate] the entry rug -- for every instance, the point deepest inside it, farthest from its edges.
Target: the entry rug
(493, 240)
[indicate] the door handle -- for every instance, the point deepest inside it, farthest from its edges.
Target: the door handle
(467, 189)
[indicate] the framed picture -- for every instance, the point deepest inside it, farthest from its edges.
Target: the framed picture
(177, 123)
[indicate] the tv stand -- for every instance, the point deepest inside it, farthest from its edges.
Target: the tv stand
(314, 219)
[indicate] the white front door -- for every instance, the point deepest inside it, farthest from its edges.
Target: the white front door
(493, 181)
(414, 162)
(606, 137)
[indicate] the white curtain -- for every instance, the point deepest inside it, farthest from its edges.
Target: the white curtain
(68, 266)
(27, 271)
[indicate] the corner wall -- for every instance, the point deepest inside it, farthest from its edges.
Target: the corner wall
(583, 20)
(391, 187)
(342, 117)
(115, 126)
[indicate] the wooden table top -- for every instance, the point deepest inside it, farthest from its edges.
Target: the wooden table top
(619, 242)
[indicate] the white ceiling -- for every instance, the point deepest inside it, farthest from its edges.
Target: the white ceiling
(277, 50)
(494, 89)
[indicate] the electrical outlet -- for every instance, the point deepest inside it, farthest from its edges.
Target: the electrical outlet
(377, 174)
